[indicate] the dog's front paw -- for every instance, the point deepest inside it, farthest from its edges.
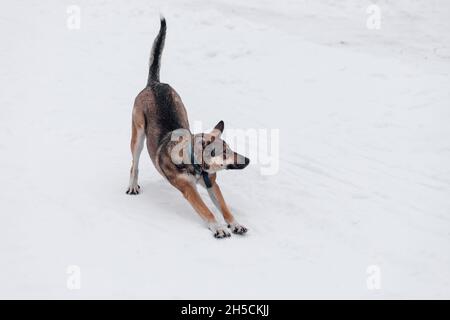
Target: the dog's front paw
(222, 233)
(219, 232)
(133, 189)
(237, 228)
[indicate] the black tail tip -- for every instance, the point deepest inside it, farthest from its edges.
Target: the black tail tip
(163, 20)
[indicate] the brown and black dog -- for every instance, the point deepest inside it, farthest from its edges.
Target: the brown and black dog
(183, 158)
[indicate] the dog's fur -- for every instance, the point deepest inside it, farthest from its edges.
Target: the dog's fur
(159, 112)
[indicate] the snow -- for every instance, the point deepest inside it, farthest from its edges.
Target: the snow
(363, 173)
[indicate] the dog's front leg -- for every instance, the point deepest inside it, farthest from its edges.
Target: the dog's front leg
(218, 200)
(189, 191)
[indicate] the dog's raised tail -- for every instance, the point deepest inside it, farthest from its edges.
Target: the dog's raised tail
(155, 57)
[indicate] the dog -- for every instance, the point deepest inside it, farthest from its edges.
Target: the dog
(183, 158)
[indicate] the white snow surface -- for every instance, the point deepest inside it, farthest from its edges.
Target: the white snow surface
(364, 152)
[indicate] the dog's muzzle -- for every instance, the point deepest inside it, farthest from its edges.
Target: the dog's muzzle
(241, 163)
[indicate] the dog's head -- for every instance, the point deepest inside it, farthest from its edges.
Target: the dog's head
(214, 154)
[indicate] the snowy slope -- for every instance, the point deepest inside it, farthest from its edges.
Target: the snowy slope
(364, 150)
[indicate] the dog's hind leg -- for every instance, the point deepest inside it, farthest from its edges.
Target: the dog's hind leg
(137, 143)
(218, 200)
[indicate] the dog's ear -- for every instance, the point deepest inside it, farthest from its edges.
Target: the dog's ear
(218, 129)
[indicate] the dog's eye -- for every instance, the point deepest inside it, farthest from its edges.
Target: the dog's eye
(213, 153)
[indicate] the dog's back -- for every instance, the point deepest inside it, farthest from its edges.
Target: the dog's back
(158, 108)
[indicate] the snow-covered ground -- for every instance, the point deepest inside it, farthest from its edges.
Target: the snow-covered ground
(362, 193)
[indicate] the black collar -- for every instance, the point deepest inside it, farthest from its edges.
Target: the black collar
(198, 168)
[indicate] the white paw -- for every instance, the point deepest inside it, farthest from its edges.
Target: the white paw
(237, 228)
(219, 231)
(134, 189)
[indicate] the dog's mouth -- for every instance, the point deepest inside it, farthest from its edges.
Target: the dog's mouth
(240, 165)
